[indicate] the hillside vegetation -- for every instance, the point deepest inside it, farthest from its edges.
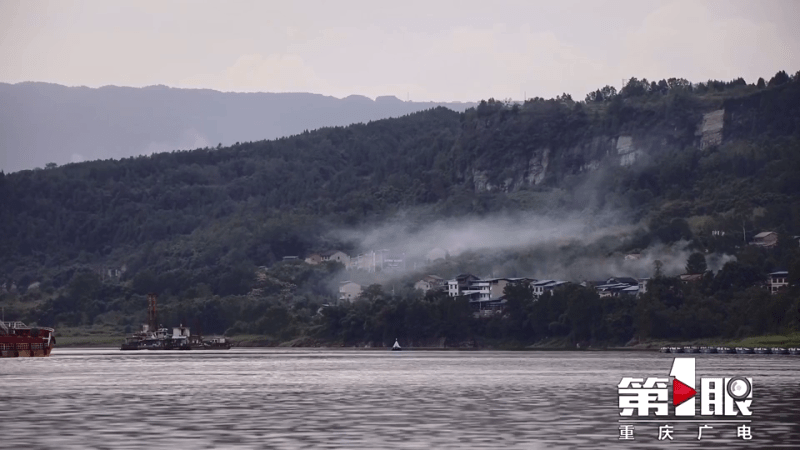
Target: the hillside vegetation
(195, 225)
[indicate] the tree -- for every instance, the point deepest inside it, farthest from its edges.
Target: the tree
(780, 78)
(761, 84)
(658, 265)
(696, 263)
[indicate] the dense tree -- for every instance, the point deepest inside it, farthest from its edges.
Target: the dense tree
(696, 263)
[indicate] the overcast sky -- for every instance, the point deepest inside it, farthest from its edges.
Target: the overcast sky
(429, 50)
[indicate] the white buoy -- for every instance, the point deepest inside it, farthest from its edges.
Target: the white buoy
(396, 345)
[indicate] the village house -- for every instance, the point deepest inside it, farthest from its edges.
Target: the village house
(778, 280)
(687, 278)
(498, 285)
(335, 255)
(437, 254)
(371, 261)
(313, 259)
(349, 290)
(430, 282)
(459, 284)
(542, 286)
(766, 239)
(643, 282)
(616, 286)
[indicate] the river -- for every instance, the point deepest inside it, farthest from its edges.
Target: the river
(367, 399)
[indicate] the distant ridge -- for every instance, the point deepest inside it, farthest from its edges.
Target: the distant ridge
(46, 122)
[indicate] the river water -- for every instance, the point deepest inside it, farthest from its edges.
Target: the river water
(359, 399)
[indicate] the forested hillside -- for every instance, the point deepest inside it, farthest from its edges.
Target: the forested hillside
(82, 243)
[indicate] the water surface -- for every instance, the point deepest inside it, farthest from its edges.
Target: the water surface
(350, 399)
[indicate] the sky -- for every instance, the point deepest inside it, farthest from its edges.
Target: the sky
(432, 50)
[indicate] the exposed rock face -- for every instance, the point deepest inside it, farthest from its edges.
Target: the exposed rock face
(537, 167)
(517, 163)
(711, 130)
(627, 152)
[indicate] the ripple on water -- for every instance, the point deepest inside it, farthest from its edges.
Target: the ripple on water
(256, 398)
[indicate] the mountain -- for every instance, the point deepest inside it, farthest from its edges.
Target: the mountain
(552, 188)
(42, 123)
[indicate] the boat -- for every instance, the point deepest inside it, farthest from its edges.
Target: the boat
(762, 350)
(708, 350)
(725, 350)
(676, 349)
(219, 343)
(744, 350)
(396, 347)
(152, 337)
(664, 350)
(779, 351)
(794, 351)
(20, 340)
(689, 349)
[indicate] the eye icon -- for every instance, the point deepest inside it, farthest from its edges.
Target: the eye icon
(739, 388)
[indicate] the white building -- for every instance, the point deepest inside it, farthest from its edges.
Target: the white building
(778, 280)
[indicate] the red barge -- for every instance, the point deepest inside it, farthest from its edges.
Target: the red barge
(20, 340)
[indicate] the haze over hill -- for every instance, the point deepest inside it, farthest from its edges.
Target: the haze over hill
(42, 123)
(578, 190)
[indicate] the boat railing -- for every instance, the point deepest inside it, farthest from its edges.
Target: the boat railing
(8, 325)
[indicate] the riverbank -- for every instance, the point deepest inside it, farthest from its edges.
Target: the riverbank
(75, 337)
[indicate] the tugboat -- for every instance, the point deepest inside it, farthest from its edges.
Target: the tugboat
(676, 349)
(779, 351)
(689, 349)
(794, 351)
(664, 350)
(217, 344)
(708, 350)
(153, 337)
(396, 347)
(762, 350)
(725, 350)
(20, 340)
(744, 350)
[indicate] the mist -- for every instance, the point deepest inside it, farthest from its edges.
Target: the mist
(572, 246)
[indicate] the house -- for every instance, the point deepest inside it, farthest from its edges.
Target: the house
(616, 286)
(335, 255)
(625, 280)
(349, 290)
(778, 280)
(643, 282)
(687, 278)
(436, 254)
(616, 289)
(542, 286)
(766, 239)
(313, 259)
(459, 284)
(487, 307)
(370, 261)
(429, 282)
(498, 285)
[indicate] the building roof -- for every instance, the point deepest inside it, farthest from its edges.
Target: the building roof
(780, 273)
(628, 280)
(764, 234)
